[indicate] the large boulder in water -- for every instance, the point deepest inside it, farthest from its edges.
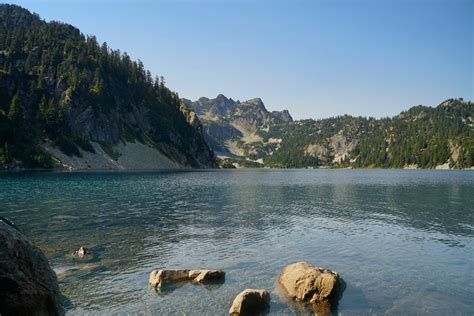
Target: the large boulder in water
(28, 286)
(308, 283)
(250, 302)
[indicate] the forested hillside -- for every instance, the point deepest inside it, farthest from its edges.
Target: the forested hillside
(68, 101)
(62, 89)
(422, 137)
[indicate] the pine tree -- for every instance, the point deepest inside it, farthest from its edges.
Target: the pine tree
(15, 112)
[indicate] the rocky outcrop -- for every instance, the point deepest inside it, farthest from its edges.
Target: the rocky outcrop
(283, 116)
(28, 286)
(305, 282)
(159, 278)
(117, 100)
(226, 121)
(191, 116)
(250, 302)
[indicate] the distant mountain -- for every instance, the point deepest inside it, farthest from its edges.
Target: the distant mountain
(246, 134)
(229, 124)
(67, 101)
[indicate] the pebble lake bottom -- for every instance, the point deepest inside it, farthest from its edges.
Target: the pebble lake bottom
(403, 240)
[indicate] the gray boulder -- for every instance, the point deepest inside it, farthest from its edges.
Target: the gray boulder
(28, 285)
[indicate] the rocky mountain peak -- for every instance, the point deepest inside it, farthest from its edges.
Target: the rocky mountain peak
(222, 98)
(453, 102)
(15, 16)
(283, 116)
(256, 101)
(201, 99)
(255, 104)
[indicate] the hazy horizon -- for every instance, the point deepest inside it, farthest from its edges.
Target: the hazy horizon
(316, 59)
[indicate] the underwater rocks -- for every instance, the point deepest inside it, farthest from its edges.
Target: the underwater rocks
(250, 302)
(160, 278)
(28, 285)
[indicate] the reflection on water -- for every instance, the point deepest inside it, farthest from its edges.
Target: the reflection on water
(402, 240)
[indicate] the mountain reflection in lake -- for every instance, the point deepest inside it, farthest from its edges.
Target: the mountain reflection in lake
(402, 240)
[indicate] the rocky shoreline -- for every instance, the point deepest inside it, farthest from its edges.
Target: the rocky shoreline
(320, 288)
(30, 286)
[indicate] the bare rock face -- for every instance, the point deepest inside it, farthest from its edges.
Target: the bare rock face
(28, 286)
(160, 278)
(308, 283)
(250, 302)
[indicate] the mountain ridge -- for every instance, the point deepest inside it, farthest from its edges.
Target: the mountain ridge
(225, 120)
(445, 132)
(67, 101)
(64, 96)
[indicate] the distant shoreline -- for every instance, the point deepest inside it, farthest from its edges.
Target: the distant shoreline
(60, 170)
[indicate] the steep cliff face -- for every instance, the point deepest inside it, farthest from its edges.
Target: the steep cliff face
(62, 90)
(229, 124)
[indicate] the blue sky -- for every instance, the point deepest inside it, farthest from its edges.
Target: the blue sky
(315, 58)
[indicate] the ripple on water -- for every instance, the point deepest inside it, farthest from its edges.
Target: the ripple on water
(400, 239)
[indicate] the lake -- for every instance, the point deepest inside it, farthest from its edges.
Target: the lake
(403, 240)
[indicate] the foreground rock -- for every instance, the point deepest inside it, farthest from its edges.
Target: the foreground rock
(250, 302)
(308, 283)
(28, 286)
(159, 278)
(204, 276)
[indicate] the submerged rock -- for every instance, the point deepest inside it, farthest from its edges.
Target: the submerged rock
(250, 302)
(160, 278)
(28, 286)
(81, 252)
(308, 283)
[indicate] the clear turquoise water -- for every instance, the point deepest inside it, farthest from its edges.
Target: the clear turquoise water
(402, 240)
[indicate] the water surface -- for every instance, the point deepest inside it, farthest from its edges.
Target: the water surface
(402, 240)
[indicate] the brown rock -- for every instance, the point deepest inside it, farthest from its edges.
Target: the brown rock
(250, 302)
(308, 283)
(159, 278)
(203, 276)
(28, 286)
